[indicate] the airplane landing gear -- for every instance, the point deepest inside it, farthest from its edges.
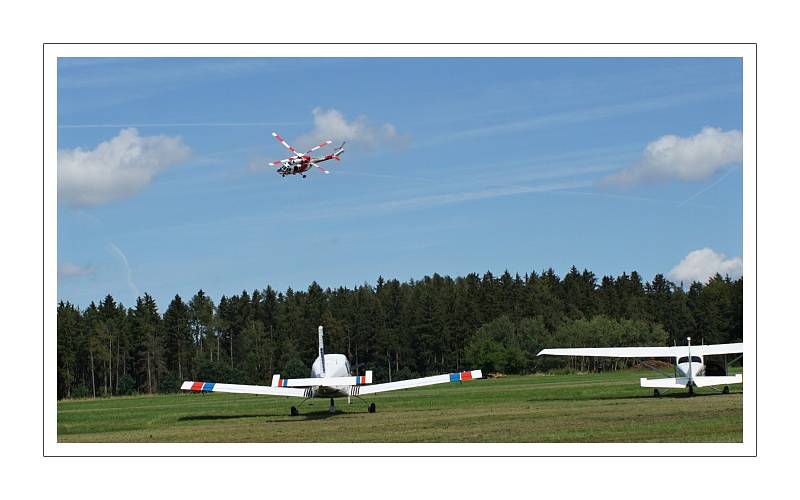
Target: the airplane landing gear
(371, 408)
(726, 390)
(304, 176)
(691, 390)
(331, 408)
(294, 411)
(656, 393)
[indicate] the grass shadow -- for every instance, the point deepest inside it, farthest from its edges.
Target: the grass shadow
(217, 417)
(319, 415)
(669, 395)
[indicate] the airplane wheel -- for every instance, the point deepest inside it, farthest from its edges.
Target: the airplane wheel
(726, 390)
(656, 394)
(304, 176)
(371, 408)
(294, 412)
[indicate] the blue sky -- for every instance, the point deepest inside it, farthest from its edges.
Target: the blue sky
(451, 166)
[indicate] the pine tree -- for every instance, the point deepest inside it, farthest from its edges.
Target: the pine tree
(149, 344)
(178, 339)
(201, 324)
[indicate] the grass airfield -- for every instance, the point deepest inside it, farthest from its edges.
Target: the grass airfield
(577, 408)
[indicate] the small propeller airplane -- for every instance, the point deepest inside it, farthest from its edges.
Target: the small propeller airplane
(330, 378)
(690, 367)
(301, 163)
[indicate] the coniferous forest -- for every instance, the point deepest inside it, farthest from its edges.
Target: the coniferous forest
(399, 330)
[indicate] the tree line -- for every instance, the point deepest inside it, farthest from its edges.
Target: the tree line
(399, 330)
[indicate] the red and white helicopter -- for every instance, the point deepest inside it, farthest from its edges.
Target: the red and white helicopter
(301, 163)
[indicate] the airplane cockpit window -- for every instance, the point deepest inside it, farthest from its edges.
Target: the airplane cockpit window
(685, 359)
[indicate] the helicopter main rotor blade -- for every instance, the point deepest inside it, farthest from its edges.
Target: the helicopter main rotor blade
(317, 147)
(285, 144)
(320, 167)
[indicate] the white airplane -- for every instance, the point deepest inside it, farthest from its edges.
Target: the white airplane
(690, 368)
(330, 378)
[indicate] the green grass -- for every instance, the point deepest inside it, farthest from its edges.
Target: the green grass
(608, 407)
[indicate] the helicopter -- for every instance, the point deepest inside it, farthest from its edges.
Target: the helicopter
(302, 163)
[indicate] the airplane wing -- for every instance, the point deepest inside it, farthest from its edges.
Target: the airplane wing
(646, 352)
(416, 382)
(620, 352)
(708, 350)
(277, 381)
(245, 389)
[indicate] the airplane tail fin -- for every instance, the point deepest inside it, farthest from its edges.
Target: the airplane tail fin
(321, 351)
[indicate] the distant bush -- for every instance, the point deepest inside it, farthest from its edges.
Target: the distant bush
(485, 352)
(81, 391)
(404, 373)
(295, 368)
(219, 371)
(168, 384)
(507, 346)
(126, 385)
(380, 373)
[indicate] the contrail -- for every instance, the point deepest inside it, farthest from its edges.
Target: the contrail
(124, 260)
(627, 197)
(687, 200)
(209, 124)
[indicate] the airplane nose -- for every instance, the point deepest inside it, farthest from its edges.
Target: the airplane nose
(696, 368)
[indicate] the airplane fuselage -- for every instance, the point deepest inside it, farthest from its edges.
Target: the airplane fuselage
(336, 365)
(685, 368)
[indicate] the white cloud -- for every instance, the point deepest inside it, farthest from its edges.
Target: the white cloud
(700, 265)
(115, 169)
(70, 270)
(331, 124)
(683, 158)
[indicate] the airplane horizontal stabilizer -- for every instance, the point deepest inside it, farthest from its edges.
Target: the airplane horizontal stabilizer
(720, 380)
(277, 381)
(664, 383)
